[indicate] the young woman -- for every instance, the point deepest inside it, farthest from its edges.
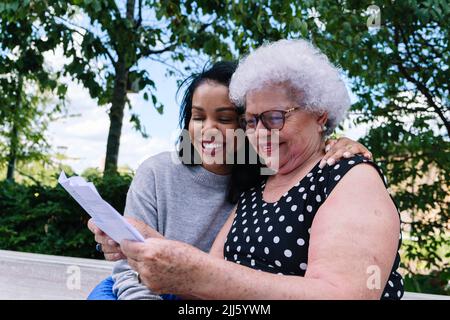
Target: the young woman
(185, 201)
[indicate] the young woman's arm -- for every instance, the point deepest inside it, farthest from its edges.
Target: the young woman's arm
(342, 148)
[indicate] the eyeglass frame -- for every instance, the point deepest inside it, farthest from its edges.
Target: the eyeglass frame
(258, 118)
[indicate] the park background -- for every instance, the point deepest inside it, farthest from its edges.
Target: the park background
(89, 87)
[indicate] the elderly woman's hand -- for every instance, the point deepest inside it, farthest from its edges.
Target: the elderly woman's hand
(144, 229)
(110, 248)
(342, 148)
(165, 266)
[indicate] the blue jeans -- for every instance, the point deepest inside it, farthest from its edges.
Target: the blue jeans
(104, 291)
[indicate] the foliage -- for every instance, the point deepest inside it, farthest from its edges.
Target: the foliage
(45, 219)
(106, 41)
(434, 283)
(399, 73)
(26, 87)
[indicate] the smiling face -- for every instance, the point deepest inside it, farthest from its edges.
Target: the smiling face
(212, 115)
(298, 140)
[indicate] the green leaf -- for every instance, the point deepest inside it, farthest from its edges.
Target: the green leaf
(62, 90)
(160, 109)
(97, 6)
(304, 29)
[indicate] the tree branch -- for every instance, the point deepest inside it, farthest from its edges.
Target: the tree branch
(28, 176)
(139, 21)
(181, 73)
(418, 36)
(148, 52)
(104, 49)
(420, 86)
(408, 51)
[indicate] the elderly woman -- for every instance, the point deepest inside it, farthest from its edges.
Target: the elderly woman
(305, 232)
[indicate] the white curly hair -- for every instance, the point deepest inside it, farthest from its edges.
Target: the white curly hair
(304, 68)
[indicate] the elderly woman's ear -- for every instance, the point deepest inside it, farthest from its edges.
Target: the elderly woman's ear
(322, 120)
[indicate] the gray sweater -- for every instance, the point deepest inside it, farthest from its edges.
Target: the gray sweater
(185, 203)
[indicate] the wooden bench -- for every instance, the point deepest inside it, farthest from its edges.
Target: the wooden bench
(45, 277)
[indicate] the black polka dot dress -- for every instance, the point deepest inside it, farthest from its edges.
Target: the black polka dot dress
(274, 237)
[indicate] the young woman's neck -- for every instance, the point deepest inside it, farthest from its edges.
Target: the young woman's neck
(220, 169)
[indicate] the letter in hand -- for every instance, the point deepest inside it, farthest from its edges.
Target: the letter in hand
(110, 248)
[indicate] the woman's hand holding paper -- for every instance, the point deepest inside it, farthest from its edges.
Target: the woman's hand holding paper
(110, 248)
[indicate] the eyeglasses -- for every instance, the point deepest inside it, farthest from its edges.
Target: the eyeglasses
(271, 119)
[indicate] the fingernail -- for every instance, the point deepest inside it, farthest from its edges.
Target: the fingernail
(330, 161)
(322, 164)
(346, 154)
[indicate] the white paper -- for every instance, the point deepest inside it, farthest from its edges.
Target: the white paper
(104, 215)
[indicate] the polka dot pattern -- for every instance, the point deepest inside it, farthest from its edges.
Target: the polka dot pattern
(274, 237)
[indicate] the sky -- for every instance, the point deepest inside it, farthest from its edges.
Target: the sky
(83, 138)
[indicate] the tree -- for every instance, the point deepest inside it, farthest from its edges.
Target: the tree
(118, 35)
(400, 73)
(25, 88)
(106, 47)
(106, 40)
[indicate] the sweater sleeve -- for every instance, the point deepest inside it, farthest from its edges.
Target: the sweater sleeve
(140, 204)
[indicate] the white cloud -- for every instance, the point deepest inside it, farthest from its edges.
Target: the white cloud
(55, 59)
(134, 149)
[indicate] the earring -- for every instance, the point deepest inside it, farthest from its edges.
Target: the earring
(324, 128)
